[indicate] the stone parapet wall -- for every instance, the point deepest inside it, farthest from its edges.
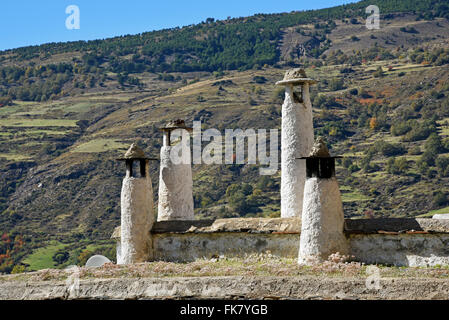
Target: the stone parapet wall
(244, 225)
(412, 249)
(396, 226)
(188, 247)
(401, 242)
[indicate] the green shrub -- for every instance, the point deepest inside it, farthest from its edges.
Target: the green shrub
(354, 91)
(259, 79)
(241, 198)
(353, 168)
(420, 131)
(440, 199)
(18, 268)
(401, 128)
(434, 144)
(442, 164)
(416, 150)
(428, 158)
(336, 84)
(389, 149)
(397, 166)
(346, 162)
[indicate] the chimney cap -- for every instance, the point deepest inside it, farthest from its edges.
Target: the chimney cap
(135, 153)
(295, 76)
(176, 124)
(319, 150)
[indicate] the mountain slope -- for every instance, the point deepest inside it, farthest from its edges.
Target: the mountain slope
(68, 110)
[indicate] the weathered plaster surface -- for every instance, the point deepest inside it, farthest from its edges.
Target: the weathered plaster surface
(136, 219)
(393, 241)
(229, 287)
(188, 247)
(245, 225)
(118, 252)
(415, 250)
(322, 225)
(175, 188)
(296, 141)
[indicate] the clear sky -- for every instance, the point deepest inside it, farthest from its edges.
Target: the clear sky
(31, 22)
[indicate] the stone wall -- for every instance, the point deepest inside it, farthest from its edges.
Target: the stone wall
(188, 247)
(229, 287)
(400, 242)
(415, 250)
(187, 241)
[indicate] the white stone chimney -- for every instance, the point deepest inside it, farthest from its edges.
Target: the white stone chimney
(175, 179)
(137, 215)
(296, 139)
(322, 225)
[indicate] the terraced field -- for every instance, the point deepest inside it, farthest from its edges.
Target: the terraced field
(61, 183)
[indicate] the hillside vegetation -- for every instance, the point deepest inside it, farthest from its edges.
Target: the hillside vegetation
(67, 110)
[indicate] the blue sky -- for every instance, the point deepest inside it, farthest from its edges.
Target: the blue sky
(31, 22)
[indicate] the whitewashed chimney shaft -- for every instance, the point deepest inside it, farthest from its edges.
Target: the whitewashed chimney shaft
(322, 225)
(175, 183)
(296, 140)
(137, 215)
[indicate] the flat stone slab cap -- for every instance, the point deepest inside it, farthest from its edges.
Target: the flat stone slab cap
(247, 225)
(293, 226)
(176, 124)
(295, 76)
(319, 149)
(135, 153)
(239, 225)
(396, 225)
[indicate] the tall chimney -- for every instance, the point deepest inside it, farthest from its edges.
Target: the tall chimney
(137, 215)
(175, 179)
(322, 225)
(296, 139)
